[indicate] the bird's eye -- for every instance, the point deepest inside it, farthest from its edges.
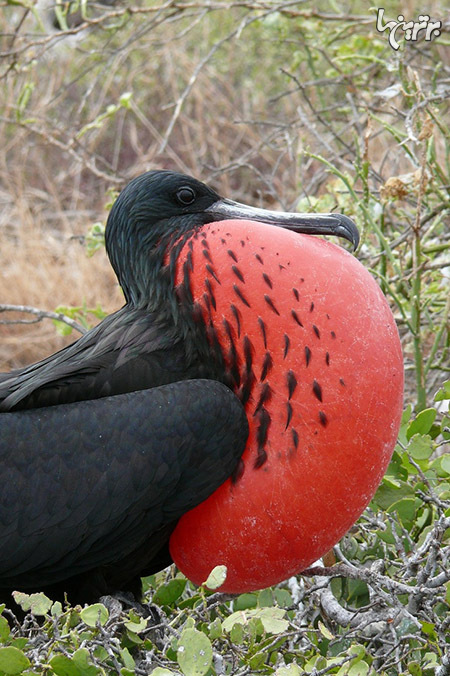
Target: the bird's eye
(185, 195)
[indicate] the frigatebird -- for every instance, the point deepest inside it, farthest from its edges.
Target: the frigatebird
(105, 444)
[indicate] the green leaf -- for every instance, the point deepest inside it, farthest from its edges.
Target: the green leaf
(97, 612)
(101, 653)
(406, 510)
(4, 629)
(19, 643)
(77, 665)
(237, 634)
(194, 653)
(239, 617)
(429, 629)
(420, 446)
(444, 393)
(316, 662)
(125, 99)
(190, 602)
(273, 620)
(357, 593)
(64, 666)
(265, 598)
(391, 491)
(38, 604)
(359, 669)
(127, 659)
(170, 592)
(358, 651)
(216, 578)
(350, 546)
(289, 670)
(422, 424)
(395, 469)
(61, 328)
(430, 659)
(255, 627)
(13, 661)
(245, 601)
(414, 669)
(283, 597)
(324, 631)
(159, 671)
(441, 465)
(445, 462)
(95, 238)
(82, 660)
(406, 626)
(443, 490)
(256, 662)
(215, 629)
(406, 417)
(137, 627)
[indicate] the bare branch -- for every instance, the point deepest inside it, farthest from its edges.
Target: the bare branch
(40, 315)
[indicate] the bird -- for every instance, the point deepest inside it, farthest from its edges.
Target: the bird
(172, 430)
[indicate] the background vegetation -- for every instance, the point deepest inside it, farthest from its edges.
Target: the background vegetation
(279, 104)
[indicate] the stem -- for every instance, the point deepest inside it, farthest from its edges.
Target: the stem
(438, 337)
(416, 303)
(416, 317)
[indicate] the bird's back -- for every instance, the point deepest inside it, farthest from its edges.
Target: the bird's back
(128, 351)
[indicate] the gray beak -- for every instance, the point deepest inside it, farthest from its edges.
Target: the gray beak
(311, 224)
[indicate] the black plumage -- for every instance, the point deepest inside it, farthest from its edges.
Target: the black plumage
(87, 487)
(105, 444)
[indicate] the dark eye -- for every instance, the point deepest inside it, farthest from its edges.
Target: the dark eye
(185, 195)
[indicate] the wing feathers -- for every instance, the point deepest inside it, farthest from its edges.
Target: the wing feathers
(87, 484)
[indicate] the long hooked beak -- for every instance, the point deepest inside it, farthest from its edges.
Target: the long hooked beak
(311, 224)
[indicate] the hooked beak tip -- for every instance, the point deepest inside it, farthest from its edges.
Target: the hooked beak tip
(347, 229)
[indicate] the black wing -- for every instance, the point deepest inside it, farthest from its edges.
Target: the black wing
(129, 350)
(97, 486)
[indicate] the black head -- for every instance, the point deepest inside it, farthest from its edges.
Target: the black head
(150, 212)
(158, 208)
(157, 201)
